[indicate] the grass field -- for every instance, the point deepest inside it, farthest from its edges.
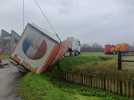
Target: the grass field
(4, 56)
(46, 86)
(87, 61)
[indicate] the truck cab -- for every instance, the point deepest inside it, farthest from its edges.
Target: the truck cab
(74, 49)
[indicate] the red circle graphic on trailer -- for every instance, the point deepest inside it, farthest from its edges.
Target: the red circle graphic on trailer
(34, 48)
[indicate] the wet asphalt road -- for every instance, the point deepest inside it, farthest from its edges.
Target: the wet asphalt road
(9, 77)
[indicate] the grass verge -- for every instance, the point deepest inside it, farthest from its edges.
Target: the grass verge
(45, 87)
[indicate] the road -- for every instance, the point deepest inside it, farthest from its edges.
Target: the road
(9, 77)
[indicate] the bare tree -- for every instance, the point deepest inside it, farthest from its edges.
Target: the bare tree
(95, 47)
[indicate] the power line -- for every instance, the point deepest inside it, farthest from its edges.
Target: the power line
(23, 14)
(44, 15)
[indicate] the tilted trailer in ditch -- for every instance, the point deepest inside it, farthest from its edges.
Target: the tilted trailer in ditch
(37, 49)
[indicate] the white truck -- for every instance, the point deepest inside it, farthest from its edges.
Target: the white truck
(74, 48)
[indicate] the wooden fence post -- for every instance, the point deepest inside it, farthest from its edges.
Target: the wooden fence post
(119, 61)
(120, 87)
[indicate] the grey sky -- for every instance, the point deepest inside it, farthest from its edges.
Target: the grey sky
(102, 21)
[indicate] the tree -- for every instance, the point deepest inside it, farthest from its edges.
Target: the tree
(95, 47)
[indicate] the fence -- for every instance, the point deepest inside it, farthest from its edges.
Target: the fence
(115, 85)
(125, 57)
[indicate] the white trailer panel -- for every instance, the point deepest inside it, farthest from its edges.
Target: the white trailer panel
(34, 51)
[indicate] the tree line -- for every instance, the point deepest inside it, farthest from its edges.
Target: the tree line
(96, 47)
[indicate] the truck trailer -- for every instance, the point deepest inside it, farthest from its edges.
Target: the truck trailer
(37, 49)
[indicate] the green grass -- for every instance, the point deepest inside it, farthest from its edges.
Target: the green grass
(4, 56)
(86, 61)
(39, 87)
(94, 54)
(45, 87)
(48, 87)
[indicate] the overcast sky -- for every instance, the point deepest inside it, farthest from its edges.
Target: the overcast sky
(102, 21)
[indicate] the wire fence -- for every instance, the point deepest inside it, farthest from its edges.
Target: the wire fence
(125, 60)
